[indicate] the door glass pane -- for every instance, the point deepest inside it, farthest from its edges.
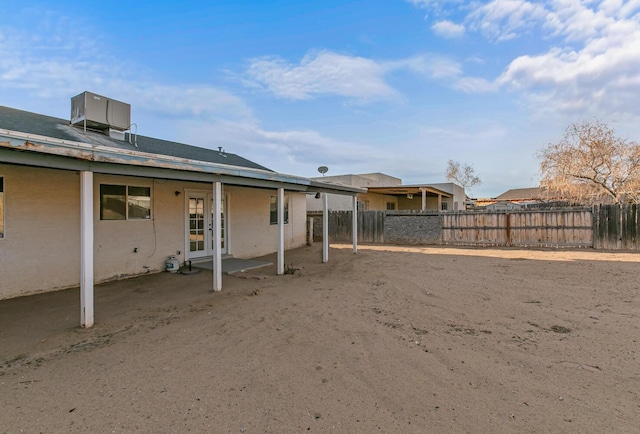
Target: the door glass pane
(196, 224)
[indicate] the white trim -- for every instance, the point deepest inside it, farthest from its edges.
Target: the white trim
(325, 227)
(354, 224)
(280, 213)
(86, 249)
(217, 223)
(149, 185)
(207, 195)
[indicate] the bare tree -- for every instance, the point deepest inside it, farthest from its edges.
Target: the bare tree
(591, 165)
(463, 175)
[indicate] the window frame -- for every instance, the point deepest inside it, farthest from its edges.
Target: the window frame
(127, 203)
(273, 201)
(444, 206)
(362, 204)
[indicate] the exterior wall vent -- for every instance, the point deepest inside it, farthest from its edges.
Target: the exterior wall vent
(97, 112)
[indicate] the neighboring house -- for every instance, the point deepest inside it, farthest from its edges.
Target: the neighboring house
(89, 202)
(518, 198)
(386, 192)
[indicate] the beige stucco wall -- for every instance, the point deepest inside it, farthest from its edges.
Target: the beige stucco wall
(335, 202)
(41, 247)
(250, 231)
(415, 204)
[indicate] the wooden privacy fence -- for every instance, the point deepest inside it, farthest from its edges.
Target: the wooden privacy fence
(370, 226)
(616, 227)
(535, 228)
(611, 227)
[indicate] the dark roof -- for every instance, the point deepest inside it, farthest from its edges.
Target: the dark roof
(33, 123)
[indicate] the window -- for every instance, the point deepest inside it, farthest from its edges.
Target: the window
(1, 207)
(391, 206)
(363, 205)
(445, 206)
(273, 210)
(122, 202)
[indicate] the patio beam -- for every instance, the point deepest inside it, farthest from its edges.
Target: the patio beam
(280, 212)
(354, 224)
(217, 235)
(86, 249)
(325, 227)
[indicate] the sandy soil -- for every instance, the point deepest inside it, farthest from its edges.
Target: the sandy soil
(394, 340)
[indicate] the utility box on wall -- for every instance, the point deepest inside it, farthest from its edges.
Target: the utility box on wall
(99, 112)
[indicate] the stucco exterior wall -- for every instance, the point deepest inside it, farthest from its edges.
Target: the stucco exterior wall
(335, 202)
(41, 248)
(131, 247)
(415, 204)
(250, 231)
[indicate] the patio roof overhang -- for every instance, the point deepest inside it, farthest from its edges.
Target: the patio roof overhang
(41, 151)
(28, 149)
(401, 190)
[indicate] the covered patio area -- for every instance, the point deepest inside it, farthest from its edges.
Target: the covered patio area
(38, 326)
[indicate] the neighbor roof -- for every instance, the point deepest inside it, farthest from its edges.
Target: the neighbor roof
(33, 123)
(530, 193)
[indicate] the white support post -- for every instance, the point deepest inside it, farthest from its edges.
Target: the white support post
(354, 225)
(280, 231)
(86, 249)
(439, 202)
(424, 199)
(217, 235)
(325, 227)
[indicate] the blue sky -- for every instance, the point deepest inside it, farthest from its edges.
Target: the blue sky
(393, 86)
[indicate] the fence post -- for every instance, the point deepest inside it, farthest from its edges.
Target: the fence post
(508, 216)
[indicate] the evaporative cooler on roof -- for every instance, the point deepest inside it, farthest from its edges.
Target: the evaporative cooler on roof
(97, 112)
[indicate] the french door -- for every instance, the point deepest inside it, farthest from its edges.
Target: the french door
(200, 236)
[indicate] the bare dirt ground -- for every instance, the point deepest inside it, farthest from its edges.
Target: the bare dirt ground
(393, 339)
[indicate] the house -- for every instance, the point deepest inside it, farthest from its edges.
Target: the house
(87, 201)
(519, 198)
(386, 192)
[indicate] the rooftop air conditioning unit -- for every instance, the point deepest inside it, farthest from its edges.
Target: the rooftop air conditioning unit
(100, 113)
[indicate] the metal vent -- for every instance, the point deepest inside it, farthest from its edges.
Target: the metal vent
(101, 113)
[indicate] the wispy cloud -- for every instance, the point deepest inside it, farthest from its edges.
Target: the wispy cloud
(448, 29)
(326, 73)
(502, 20)
(69, 59)
(322, 73)
(598, 75)
(303, 149)
(587, 52)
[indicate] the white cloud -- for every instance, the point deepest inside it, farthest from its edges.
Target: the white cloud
(448, 29)
(502, 20)
(71, 59)
(586, 58)
(303, 150)
(328, 73)
(475, 85)
(596, 77)
(325, 73)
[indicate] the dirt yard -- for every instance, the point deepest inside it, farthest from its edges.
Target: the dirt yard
(393, 340)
